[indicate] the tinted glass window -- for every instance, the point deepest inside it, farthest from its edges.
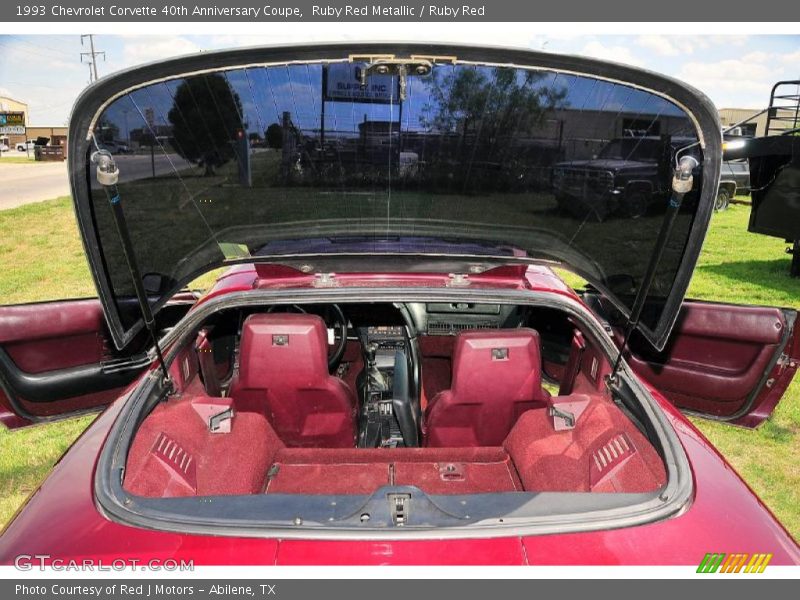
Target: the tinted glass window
(633, 148)
(469, 160)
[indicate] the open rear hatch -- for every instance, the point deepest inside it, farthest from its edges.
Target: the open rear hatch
(341, 157)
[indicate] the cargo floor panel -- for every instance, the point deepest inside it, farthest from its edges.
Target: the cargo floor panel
(326, 478)
(458, 478)
(433, 470)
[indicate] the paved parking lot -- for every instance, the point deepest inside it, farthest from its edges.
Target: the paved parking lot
(25, 183)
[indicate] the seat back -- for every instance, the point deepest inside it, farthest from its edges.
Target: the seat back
(283, 372)
(497, 375)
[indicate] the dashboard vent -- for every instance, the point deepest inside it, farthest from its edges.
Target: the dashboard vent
(450, 328)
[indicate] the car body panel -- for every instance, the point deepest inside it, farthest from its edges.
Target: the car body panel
(724, 516)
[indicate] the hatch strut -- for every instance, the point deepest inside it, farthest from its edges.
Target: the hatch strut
(107, 176)
(682, 181)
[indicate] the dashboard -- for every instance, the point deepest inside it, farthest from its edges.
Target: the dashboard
(385, 331)
(450, 318)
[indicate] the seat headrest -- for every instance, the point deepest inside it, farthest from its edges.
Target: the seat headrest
(504, 364)
(282, 349)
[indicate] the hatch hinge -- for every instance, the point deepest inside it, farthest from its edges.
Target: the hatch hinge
(784, 361)
(388, 64)
(435, 58)
(370, 58)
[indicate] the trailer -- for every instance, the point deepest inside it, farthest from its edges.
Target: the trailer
(775, 169)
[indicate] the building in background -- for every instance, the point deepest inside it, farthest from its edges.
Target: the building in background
(758, 126)
(13, 121)
(15, 128)
(56, 135)
(731, 116)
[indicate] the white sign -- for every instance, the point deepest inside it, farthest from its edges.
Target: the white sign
(343, 84)
(12, 130)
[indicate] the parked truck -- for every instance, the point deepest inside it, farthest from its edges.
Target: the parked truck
(774, 160)
(631, 174)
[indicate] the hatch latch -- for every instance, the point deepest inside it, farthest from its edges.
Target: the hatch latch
(458, 280)
(399, 505)
(325, 280)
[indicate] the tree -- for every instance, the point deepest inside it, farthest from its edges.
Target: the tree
(469, 101)
(274, 136)
(205, 118)
(483, 115)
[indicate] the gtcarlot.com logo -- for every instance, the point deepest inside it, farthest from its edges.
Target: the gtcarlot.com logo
(719, 562)
(29, 562)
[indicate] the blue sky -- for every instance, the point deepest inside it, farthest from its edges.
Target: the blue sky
(266, 93)
(734, 70)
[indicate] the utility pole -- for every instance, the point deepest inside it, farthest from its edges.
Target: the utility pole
(92, 62)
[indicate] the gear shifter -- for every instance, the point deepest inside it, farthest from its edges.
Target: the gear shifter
(376, 381)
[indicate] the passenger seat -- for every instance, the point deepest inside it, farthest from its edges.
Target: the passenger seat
(497, 375)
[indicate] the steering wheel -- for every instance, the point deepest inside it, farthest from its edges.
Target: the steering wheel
(335, 319)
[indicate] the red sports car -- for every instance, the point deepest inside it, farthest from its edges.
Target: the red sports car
(389, 371)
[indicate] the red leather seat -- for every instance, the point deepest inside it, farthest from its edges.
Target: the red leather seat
(497, 375)
(283, 372)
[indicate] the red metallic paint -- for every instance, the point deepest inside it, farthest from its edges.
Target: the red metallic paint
(61, 518)
(248, 276)
(7, 417)
(725, 516)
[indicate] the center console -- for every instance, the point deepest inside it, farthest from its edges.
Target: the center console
(388, 416)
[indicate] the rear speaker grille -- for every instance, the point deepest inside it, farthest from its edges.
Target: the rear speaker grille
(175, 457)
(612, 454)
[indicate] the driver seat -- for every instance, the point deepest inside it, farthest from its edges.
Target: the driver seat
(283, 373)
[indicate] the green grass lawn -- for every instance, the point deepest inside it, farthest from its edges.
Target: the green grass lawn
(745, 268)
(18, 160)
(28, 455)
(41, 242)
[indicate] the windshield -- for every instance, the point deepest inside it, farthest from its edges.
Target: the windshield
(333, 157)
